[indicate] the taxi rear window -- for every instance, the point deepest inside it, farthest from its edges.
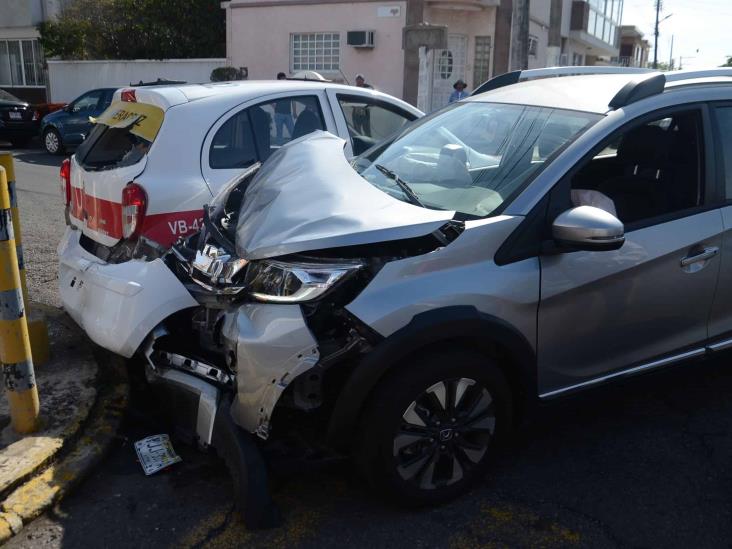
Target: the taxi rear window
(121, 136)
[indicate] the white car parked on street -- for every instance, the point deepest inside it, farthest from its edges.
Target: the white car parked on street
(158, 154)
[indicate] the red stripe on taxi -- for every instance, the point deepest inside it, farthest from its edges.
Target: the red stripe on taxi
(105, 216)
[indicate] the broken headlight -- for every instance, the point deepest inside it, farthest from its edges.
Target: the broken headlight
(216, 270)
(280, 282)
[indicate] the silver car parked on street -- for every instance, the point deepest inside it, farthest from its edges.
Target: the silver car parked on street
(544, 236)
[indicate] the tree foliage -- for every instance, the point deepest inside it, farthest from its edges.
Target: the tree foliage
(729, 62)
(136, 29)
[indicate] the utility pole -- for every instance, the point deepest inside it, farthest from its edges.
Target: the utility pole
(655, 45)
(671, 55)
(554, 49)
(520, 35)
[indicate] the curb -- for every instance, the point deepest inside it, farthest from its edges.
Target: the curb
(44, 489)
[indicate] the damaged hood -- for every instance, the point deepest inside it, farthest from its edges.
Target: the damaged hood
(307, 197)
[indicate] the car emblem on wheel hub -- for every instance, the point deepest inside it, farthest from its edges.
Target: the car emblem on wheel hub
(445, 435)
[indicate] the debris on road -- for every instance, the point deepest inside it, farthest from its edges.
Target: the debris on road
(156, 453)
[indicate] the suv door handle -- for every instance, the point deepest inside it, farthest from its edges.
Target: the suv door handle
(707, 253)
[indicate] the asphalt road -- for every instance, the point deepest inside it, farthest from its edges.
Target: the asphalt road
(643, 464)
(42, 219)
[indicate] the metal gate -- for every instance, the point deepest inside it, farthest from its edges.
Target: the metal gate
(448, 67)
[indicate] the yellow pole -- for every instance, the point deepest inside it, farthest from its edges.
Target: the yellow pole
(37, 325)
(15, 347)
(6, 161)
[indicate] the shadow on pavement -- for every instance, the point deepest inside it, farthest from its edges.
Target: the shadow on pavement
(38, 157)
(34, 154)
(647, 463)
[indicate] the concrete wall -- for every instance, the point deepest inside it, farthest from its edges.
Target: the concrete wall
(19, 13)
(258, 37)
(69, 79)
(27, 13)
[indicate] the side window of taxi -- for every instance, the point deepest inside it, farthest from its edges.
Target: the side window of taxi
(255, 133)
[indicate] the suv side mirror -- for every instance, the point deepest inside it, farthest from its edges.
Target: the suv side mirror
(588, 228)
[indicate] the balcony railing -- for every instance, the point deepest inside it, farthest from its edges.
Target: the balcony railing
(625, 61)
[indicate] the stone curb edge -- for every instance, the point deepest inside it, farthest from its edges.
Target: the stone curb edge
(39, 493)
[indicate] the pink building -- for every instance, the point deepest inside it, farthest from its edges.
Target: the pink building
(340, 39)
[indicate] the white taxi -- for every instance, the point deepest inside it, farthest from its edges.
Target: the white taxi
(158, 154)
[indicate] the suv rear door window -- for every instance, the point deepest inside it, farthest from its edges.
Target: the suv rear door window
(724, 120)
(255, 133)
(122, 135)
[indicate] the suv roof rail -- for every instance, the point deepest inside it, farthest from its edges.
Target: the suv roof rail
(516, 76)
(677, 76)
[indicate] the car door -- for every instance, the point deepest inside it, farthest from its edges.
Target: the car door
(647, 303)
(76, 125)
(253, 132)
(720, 322)
(365, 118)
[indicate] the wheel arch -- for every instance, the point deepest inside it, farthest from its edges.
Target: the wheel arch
(438, 328)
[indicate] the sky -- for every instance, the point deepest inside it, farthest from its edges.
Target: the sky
(702, 29)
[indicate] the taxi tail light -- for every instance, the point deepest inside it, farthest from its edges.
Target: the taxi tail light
(134, 205)
(129, 96)
(65, 174)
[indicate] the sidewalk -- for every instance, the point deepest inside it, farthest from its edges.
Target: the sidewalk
(81, 407)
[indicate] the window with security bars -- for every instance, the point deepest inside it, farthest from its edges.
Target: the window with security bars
(21, 63)
(315, 51)
(482, 61)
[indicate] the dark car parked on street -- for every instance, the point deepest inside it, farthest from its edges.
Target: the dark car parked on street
(19, 121)
(70, 125)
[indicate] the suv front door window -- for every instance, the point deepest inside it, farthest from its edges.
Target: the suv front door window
(604, 311)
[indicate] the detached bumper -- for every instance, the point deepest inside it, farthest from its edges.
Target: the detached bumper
(117, 305)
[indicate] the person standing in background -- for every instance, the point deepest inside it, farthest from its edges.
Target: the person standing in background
(459, 92)
(361, 115)
(361, 82)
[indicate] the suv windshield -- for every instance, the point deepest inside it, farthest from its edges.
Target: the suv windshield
(472, 157)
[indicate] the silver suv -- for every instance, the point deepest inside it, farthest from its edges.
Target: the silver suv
(545, 236)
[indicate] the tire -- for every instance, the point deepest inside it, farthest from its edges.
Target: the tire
(52, 141)
(419, 468)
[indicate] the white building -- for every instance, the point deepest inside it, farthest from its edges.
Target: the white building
(21, 58)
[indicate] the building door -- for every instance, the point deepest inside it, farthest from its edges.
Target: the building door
(448, 67)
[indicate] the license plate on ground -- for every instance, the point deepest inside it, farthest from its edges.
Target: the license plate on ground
(155, 453)
(16, 116)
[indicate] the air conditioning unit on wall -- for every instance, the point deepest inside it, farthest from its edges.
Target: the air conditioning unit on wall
(360, 39)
